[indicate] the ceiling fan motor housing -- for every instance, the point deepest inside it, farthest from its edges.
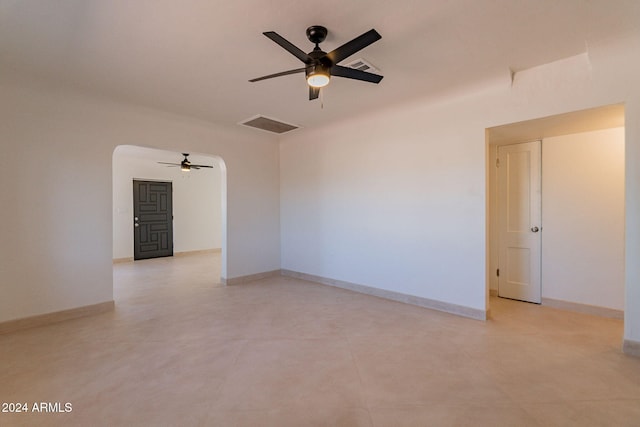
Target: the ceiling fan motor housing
(321, 63)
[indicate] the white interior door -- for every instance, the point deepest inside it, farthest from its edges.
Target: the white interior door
(519, 223)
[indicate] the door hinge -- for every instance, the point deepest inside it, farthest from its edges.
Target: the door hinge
(497, 162)
(498, 272)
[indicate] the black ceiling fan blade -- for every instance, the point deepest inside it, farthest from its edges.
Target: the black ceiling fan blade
(283, 73)
(288, 46)
(171, 164)
(314, 92)
(352, 73)
(201, 166)
(349, 48)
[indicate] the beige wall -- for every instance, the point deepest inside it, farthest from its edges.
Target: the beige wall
(583, 218)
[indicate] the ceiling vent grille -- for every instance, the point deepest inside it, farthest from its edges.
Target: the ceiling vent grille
(363, 65)
(268, 124)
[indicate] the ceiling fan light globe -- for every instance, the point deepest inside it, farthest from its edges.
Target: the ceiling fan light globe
(318, 80)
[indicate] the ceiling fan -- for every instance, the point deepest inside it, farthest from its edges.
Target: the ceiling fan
(185, 165)
(319, 65)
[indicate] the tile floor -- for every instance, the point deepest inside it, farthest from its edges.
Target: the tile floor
(180, 349)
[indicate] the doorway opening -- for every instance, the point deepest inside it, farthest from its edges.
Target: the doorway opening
(198, 214)
(581, 226)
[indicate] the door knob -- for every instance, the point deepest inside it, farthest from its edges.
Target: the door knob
(136, 225)
(535, 229)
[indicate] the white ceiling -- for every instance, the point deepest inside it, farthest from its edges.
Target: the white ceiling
(194, 57)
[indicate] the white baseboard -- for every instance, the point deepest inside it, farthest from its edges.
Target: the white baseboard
(198, 252)
(632, 348)
(249, 278)
(391, 295)
(55, 317)
(176, 254)
(583, 308)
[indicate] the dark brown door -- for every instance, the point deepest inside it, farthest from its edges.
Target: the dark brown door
(152, 219)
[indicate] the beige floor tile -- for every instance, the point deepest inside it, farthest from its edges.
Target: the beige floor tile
(619, 413)
(310, 415)
(425, 370)
(454, 416)
(272, 374)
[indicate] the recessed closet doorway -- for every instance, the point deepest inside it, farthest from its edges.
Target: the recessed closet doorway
(581, 227)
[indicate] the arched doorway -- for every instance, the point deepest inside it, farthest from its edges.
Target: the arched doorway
(199, 200)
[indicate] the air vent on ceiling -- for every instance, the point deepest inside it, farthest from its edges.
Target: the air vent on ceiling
(270, 125)
(363, 65)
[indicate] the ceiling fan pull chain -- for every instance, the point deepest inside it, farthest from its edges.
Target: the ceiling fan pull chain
(321, 99)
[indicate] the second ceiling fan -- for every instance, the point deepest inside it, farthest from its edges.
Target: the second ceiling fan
(319, 65)
(185, 165)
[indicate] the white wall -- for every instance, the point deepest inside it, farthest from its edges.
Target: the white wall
(56, 194)
(396, 199)
(376, 202)
(197, 198)
(583, 218)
